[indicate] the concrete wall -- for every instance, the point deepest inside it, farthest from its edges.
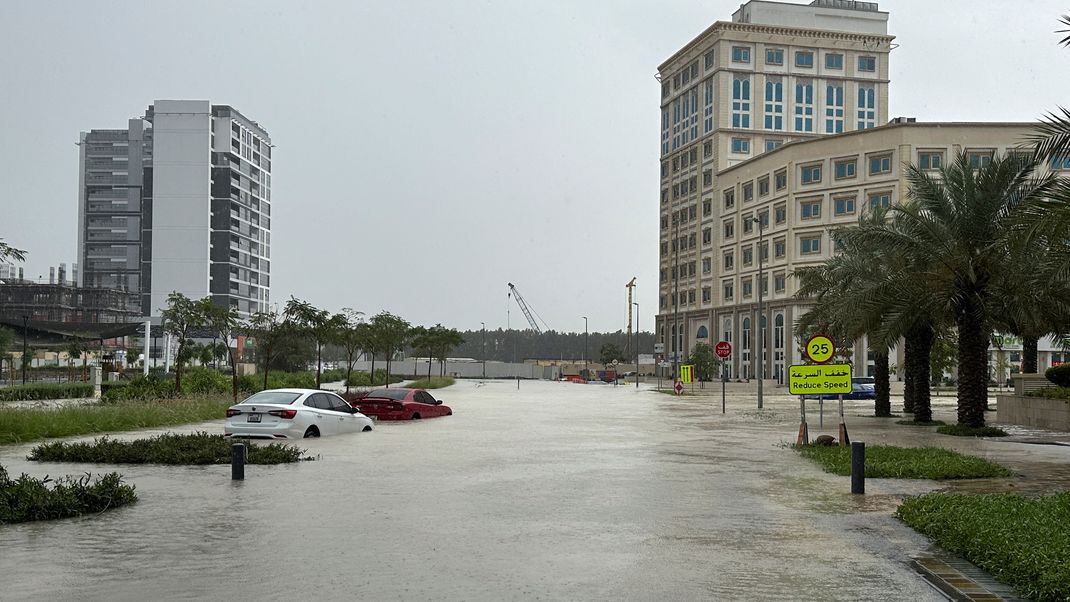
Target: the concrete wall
(464, 369)
(1052, 414)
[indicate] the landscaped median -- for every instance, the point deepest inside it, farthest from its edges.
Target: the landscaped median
(890, 462)
(1022, 541)
(192, 449)
(27, 498)
(435, 382)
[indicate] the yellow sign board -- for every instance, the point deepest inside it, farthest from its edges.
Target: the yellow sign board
(820, 349)
(686, 373)
(824, 379)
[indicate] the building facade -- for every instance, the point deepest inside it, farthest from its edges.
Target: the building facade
(180, 200)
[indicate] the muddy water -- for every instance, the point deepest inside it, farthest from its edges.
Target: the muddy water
(555, 492)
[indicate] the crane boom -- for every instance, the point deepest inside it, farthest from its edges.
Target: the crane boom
(524, 308)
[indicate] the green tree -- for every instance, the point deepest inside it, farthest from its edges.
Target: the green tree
(706, 362)
(6, 340)
(181, 318)
(224, 322)
(390, 334)
(268, 332)
(446, 340)
(351, 336)
(609, 353)
(318, 325)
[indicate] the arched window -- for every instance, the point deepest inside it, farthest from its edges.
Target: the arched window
(703, 333)
(778, 331)
(746, 333)
(726, 332)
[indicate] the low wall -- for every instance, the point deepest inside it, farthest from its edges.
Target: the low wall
(1052, 414)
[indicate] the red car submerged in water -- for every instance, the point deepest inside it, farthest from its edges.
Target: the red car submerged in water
(400, 404)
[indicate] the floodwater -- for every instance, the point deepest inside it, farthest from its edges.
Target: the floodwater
(557, 491)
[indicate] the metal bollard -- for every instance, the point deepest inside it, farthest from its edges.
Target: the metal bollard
(858, 467)
(237, 462)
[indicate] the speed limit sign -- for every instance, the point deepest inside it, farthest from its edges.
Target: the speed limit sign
(819, 349)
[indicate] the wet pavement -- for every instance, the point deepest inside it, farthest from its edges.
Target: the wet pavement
(555, 492)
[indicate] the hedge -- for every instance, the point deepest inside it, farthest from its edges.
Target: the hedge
(46, 391)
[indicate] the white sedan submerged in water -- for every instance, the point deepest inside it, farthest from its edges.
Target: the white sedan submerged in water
(293, 414)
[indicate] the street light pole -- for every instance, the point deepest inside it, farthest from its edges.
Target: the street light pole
(636, 304)
(25, 330)
(484, 353)
(676, 300)
(761, 315)
(586, 370)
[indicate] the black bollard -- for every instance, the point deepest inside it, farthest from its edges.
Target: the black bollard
(858, 467)
(237, 462)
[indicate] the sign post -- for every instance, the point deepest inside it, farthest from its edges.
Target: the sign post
(723, 351)
(824, 379)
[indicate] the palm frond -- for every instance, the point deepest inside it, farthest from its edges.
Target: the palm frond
(1052, 136)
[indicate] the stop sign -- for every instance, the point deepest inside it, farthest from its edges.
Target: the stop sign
(723, 349)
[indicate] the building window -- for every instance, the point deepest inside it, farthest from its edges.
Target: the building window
(707, 208)
(773, 144)
(748, 192)
(811, 174)
(931, 160)
(706, 267)
(707, 109)
(867, 64)
(880, 164)
(763, 252)
(804, 106)
(748, 288)
(705, 299)
(729, 230)
(774, 56)
(979, 159)
(729, 198)
(740, 145)
(880, 199)
(729, 261)
(779, 248)
(709, 60)
(707, 149)
(740, 54)
(748, 223)
(774, 104)
(810, 209)
(809, 245)
(763, 219)
(748, 256)
(707, 236)
(707, 177)
(728, 290)
(804, 59)
(779, 282)
(691, 296)
(741, 102)
(845, 169)
(867, 107)
(834, 108)
(780, 214)
(780, 180)
(844, 205)
(833, 61)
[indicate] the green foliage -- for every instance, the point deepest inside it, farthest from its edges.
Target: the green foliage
(916, 423)
(944, 354)
(1021, 541)
(890, 462)
(46, 391)
(1051, 393)
(28, 499)
(361, 379)
(610, 353)
(169, 448)
(705, 361)
(963, 430)
(436, 382)
(152, 387)
(19, 425)
(1060, 375)
(180, 318)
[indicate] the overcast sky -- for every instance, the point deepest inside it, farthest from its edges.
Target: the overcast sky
(429, 152)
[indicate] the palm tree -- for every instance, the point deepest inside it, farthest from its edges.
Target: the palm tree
(955, 233)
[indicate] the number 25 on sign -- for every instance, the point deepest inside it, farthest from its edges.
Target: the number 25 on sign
(820, 349)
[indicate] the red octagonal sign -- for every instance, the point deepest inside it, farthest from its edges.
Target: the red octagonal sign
(723, 349)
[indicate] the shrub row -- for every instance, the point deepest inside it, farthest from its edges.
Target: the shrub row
(435, 382)
(195, 448)
(1051, 393)
(962, 430)
(1060, 375)
(28, 499)
(1022, 541)
(46, 391)
(890, 462)
(362, 379)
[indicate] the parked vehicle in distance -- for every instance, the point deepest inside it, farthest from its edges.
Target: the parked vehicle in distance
(293, 414)
(862, 387)
(400, 404)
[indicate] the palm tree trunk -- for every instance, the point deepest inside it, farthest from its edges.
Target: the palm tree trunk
(973, 368)
(883, 403)
(1029, 354)
(910, 372)
(923, 347)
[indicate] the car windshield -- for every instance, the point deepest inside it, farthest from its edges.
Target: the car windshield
(389, 393)
(275, 397)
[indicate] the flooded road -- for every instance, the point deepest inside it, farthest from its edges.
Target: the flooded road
(556, 492)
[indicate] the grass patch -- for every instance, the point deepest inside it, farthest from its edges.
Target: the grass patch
(28, 499)
(46, 391)
(1022, 541)
(1051, 393)
(19, 425)
(435, 382)
(961, 430)
(915, 423)
(890, 462)
(197, 448)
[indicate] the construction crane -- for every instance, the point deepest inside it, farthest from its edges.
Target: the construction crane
(628, 339)
(528, 311)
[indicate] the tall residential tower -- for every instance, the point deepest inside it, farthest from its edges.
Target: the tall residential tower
(180, 200)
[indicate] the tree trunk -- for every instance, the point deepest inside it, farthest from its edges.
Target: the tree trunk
(883, 403)
(1029, 354)
(178, 369)
(973, 368)
(319, 362)
(267, 362)
(923, 347)
(349, 369)
(428, 365)
(388, 356)
(910, 372)
(234, 371)
(371, 377)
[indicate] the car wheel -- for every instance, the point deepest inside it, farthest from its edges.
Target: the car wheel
(312, 432)
(415, 415)
(366, 429)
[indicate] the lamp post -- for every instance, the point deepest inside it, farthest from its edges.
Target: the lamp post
(761, 314)
(676, 300)
(636, 304)
(586, 371)
(25, 330)
(484, 353)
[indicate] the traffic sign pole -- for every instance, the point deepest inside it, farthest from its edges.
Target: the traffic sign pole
(804, 434)
(723, 349)
(844, 439)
